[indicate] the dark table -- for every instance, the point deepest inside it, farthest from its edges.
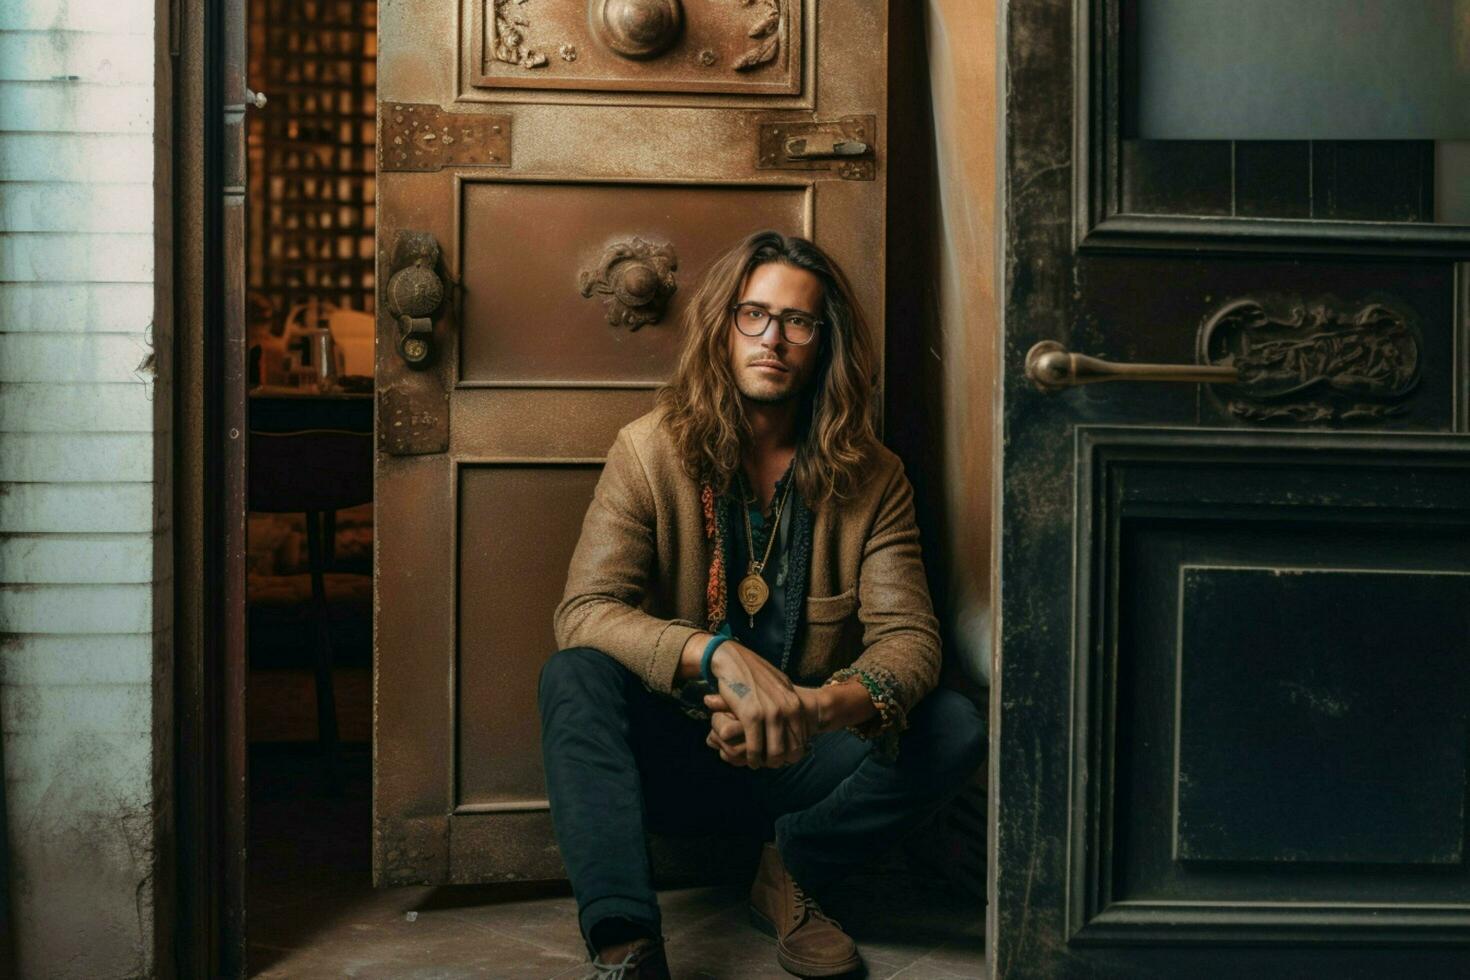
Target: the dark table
(291, 410)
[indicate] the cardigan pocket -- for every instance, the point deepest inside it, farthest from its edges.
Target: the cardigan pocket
(829, 610)
(830, 635)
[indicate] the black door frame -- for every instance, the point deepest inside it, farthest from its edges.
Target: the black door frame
(210, 789)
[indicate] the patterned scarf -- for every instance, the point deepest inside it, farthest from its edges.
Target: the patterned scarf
(716, 533)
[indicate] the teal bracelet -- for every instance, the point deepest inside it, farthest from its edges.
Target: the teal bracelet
(709, 652)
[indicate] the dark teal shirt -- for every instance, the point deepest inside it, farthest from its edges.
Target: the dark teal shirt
(773, 629)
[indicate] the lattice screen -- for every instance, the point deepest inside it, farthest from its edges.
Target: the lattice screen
(311, 154)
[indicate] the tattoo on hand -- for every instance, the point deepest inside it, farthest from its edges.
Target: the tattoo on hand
(740, 689)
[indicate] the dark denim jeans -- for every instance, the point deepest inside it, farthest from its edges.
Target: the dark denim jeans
(621, 760)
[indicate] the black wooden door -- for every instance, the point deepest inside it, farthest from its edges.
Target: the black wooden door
(1230, 708)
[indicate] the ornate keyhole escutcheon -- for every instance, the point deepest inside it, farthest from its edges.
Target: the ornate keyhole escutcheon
(1319, 362)
(637, 277)
(637, 28)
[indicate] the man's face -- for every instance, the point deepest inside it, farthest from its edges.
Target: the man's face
(767, 368)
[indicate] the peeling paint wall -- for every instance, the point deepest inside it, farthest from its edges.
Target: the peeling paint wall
(85, 566)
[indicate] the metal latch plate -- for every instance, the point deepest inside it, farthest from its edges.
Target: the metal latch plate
(845, 147)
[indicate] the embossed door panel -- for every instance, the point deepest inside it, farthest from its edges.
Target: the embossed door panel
(560, 325)
(640, 45)
(540, 229)
(1230, 733)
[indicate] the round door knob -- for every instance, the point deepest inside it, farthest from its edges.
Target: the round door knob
(637, 277)
(637, 28)
(415, 291)
(637, 284)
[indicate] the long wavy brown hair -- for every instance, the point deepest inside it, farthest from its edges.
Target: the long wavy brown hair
(702, 405)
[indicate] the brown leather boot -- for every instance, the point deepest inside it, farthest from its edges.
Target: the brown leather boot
(808, 943)
(641, 959)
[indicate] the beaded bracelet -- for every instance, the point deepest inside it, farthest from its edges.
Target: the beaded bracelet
(890, 713)
(875, 692)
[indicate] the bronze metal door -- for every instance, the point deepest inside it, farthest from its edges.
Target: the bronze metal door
(1231, 713)
(552, 178)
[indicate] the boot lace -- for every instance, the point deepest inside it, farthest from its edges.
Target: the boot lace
(807, 907)
(622, 970)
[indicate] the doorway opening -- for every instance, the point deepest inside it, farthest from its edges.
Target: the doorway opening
(311, 903)
(310, 321)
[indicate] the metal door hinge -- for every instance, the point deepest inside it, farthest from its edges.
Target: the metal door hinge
(418, 137)
(846, 146)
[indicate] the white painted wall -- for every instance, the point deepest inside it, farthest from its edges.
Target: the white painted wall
(85, 567)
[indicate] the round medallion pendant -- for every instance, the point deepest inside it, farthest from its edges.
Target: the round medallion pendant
(753, 593)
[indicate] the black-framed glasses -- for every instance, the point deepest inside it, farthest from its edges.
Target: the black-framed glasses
(797, 328)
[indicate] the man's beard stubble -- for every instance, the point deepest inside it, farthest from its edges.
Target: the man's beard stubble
(766, 397)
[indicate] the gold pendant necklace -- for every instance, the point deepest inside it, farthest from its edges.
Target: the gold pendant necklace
(753, 591)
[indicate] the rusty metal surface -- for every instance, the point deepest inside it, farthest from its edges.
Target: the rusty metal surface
(506, 847)
(532, 381)
(413, 644)
(414, 136)
(776, 136)
(521, 423)
(413, 419)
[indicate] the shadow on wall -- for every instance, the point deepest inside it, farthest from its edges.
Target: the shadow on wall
(941, 357)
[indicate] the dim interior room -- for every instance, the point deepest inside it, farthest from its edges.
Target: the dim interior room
(310, 294)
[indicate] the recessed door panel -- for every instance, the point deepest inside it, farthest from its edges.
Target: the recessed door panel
(562, 277)
(1272, 688)
(514, 542)
(1292, 729)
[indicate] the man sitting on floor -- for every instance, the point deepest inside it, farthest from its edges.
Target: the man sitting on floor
(750, 557)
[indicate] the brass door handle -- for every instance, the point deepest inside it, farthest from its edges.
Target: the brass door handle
(1051, 367)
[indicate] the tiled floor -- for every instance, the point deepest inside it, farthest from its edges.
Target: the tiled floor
(314, 914)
